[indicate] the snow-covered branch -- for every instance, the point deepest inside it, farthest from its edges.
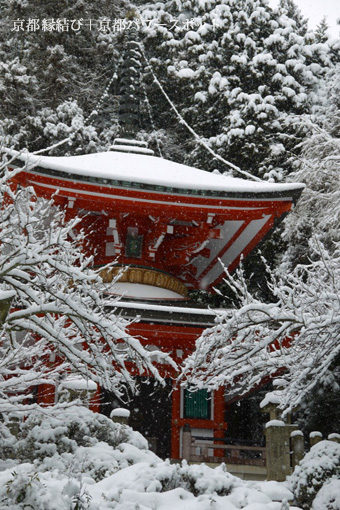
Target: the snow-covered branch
(297, 336)
(55, 316)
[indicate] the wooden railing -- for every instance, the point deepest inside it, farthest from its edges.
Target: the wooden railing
(230, 454)
(195, 450)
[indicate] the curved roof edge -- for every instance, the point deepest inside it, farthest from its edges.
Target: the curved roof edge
(150, 171)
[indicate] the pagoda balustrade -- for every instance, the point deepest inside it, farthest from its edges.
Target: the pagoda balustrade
(144, 276)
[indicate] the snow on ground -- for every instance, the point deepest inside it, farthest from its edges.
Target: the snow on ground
(142, 484)
(74, 459)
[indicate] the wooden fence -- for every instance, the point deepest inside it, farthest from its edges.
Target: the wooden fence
(213, 450)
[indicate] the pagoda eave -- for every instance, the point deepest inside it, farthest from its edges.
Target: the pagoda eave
(99, 198)
(156, 221)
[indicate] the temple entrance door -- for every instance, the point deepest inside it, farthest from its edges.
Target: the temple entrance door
(245, 419)
(151, 413)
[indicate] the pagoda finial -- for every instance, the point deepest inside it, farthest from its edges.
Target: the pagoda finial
(129, 85)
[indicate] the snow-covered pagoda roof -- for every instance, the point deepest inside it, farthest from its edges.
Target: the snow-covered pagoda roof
(123, 168)
(185, 221)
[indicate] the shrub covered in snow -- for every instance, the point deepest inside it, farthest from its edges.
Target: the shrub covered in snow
(314, 474)
(24, 488)
(199, 479)
(70, 428)
(328, 497)
(73, 459)
(59, 452)
(7, 442)
(77, 441)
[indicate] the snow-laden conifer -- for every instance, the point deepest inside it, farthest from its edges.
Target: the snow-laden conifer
(235, 69)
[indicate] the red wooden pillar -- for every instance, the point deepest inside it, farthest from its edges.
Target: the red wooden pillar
(219, 419)
(219, 406)
(175, 428)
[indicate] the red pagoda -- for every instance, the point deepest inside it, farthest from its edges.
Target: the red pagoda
(168, 229)
(172, 228)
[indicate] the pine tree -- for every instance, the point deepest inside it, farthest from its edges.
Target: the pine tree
(56, 58)
(291, 10)
(317, 213)
(234, 70)
(321, 31)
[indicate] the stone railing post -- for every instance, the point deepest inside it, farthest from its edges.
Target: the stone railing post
(120, 415)
(75, 387)
(314, 438)
(298, 447)
(334, 437)
(186, 442)
(277, 432)
(277, 450)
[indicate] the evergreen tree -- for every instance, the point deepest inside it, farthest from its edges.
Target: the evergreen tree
(321, 31)
(234, 69)
(317, 212)
(291, 10)
(52, 53)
